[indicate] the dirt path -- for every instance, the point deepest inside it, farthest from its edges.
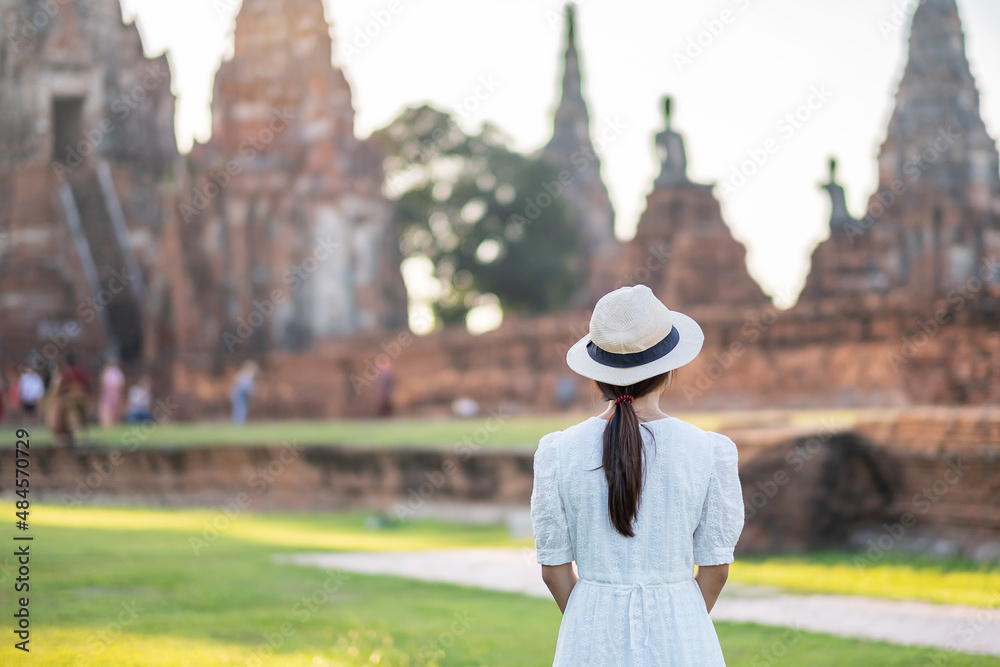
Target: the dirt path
(964, 629)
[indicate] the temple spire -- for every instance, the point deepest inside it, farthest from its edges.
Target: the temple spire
(571, 79)
(937, 113)
(298, 30)
(572, 152)
(572, 121)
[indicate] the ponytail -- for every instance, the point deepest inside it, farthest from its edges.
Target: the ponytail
(624, 455)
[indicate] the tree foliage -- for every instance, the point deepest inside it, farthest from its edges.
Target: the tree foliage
(481, 214)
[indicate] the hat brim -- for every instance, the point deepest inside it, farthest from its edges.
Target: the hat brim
(691, 340)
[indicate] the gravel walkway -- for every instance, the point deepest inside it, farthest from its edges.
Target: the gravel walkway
(964, 629)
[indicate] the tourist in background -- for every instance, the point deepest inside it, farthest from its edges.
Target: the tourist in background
(637, 499)
(565, 392)
(69, 393)
(3, 392)
(386, 383)
(110, 402)
(30, 390)
(140, 401)
(242, 391)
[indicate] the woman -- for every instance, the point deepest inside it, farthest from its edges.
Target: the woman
(67, 404)
(242, 390)
(636, 498)
(110, 402)
(30, 391)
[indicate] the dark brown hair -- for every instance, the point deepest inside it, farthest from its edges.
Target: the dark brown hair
(624, 455)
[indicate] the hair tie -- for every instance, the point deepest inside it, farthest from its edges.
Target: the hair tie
(624, 398)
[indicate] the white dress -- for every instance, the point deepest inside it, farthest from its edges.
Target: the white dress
(637, 602)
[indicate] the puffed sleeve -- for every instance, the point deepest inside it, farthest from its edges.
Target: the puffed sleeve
(548, 514)
(722, 514)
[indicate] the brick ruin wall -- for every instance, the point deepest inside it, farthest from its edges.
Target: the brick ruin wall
(809, 357)
(925, 480)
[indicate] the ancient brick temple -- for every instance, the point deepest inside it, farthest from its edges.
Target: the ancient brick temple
(934, 222)
(86, 145)
(284, 221)
(902, 305)
(274, 235)
(682, 218)
(682, 247)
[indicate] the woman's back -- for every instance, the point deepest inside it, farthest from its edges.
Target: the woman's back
(639, 591)
(679, 467)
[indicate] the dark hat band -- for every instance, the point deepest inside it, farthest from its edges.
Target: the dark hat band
(630, 360)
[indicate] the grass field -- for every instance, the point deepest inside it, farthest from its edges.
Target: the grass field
(513, 431)
(164, 587)
(895, 577)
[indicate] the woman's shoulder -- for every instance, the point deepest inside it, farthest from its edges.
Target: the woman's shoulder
(697, 435)
(571, 433)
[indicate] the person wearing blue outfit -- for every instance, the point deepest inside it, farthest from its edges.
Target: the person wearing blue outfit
(636, 499)
(242, 391)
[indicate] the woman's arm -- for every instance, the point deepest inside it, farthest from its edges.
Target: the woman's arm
(560, 579)
(711, 579)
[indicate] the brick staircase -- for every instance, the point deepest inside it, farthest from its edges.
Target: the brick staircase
(116, 295)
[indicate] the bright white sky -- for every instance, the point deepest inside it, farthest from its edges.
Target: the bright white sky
(762, 65)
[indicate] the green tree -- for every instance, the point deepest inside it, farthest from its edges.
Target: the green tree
(481, 214)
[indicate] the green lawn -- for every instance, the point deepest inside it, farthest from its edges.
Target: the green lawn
(124, 587)
(443, 433)
(897, 577)
(499, 431)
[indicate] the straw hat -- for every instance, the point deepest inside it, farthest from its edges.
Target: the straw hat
(634, 337)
